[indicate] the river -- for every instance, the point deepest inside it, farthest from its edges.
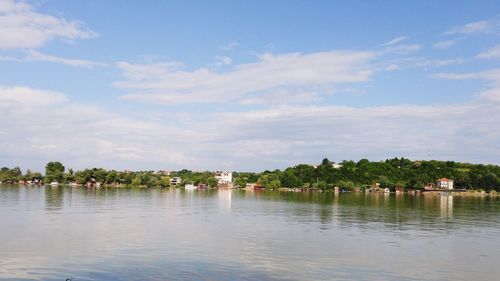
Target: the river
(55, 233)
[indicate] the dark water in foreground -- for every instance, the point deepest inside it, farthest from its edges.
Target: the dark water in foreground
(140, 234)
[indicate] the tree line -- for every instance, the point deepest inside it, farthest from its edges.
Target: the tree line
(391, 173)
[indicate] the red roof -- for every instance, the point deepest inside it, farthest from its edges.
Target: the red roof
(444, 179)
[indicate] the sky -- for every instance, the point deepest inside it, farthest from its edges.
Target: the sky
(247, 85)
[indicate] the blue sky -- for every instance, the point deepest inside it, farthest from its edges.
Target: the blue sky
(247, 85)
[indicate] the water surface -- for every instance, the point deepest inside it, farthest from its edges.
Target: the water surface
(55, 233)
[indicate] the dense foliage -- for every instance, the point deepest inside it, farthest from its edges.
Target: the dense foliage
(390, 173)
(348, 175)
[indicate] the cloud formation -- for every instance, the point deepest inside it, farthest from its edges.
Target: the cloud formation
(47, 125)
(395, 41)
(35, 56)
(165, 83)
(493, 53)
(21, 26)
(445, 44)
(477, 27)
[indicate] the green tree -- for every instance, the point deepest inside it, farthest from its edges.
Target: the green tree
(240, 182)
(270, 181)
(165, 181)
(54, 171)
(212, 182)
(136, 181)
(289, 179)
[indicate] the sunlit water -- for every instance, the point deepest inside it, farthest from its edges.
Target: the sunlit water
(55, 233)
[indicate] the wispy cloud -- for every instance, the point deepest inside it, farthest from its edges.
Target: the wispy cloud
(392, 67)
(438, 63)
(395, 41)
(493, 53)
(21, 26)
(83, 135)
(230, 46)
(47, 125)
(295, 72)
(37, 56)
(403, 48)
(223, 60)
(22, 96)
(491, 75)
(483, 26)
(445, 44)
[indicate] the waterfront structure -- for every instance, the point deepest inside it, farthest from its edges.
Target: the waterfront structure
(336, 165)
(444, 183)
(175, 181)
(224, 177)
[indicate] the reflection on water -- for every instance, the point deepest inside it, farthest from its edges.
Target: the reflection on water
(446, 206)
(55, 233)
(54, 198)
(225, 199)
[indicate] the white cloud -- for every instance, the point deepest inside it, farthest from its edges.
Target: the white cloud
(162, 83)
(223, 60)
(493, 53)
(230, 46)
(21, 26)
(484, 26)
(403, 48)
(392, 67)
(492, 75)
(37, 56)
(282, 96)
(34, 56)
(44, 126)
(22, 96)
(445, 44)
(439, 63)
(395, 41)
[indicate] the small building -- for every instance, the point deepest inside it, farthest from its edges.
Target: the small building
(444, 183)
(336, 165)
(224, 177)
(399, 190)
(175, 181)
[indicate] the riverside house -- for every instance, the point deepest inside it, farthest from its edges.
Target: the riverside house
(444, 183)
(175, 181)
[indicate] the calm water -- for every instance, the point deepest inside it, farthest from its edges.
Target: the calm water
(141, 234)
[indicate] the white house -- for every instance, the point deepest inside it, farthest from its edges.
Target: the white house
(336, 165)
(445, 183)
(224, 177)
(175, 181)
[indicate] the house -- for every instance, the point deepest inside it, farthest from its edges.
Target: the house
(175, 181)
(224, 177)
(399, 190)
(336, 165)
(444, 183)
